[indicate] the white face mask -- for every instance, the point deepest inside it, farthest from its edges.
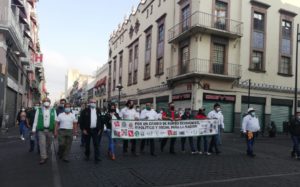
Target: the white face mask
(218, 109)
(46, 104)
(252, 114)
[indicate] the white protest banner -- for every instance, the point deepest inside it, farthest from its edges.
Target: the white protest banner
(127, 129)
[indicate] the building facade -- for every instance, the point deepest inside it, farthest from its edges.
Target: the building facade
(100, 86)
(21, 82)
(197, 53)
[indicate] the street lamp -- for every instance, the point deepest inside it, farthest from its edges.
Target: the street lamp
(120, 87)
(296, 73)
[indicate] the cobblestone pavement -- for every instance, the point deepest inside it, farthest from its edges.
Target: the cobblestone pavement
(272, 167)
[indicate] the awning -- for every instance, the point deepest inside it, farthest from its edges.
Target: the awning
(100, 82)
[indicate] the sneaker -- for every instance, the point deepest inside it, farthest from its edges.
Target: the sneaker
(207, 153)
(200, 153)
(194, 152)
(22, 137)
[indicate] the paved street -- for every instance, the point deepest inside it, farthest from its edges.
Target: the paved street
(271, 167)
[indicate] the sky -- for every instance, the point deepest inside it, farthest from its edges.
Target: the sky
(75, 34)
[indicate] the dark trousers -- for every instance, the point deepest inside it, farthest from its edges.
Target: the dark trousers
(191, 142)
(199, 142)
(296, 141)
(143, 142)
(93, 134)
(133, 146)
(213, 144)
(250, 144)
(172, 144)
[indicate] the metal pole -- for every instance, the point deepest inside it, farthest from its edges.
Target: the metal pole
(249, 88)
(296, 74)
(119, 98)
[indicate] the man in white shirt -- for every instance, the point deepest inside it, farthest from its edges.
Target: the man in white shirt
(44, 123)
(129, 113)
(216, 113)
(250, 126)
(148, 114)
(66, 128)
(216, 139)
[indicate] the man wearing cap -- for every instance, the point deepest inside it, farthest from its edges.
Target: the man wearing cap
(250, 126)
(44, 123)
(92, 128)
(295, 133)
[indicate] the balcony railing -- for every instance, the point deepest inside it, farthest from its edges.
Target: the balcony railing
(204, 22)
(8, 22)
(202, 67)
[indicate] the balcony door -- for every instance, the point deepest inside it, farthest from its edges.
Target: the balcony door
(219, 55)
(221, 14)
(184, 65)
(186, 18)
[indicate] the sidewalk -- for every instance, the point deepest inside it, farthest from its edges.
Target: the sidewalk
(18, 166)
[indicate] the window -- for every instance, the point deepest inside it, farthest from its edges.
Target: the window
(185, 18)
(221, 15)
(120, 67)
(136, 60)
(160, 45)
(257, 60)
(130, 67)
(218, 58)
(184, 59)
(114, 73)
(285, 66)
(148, 54)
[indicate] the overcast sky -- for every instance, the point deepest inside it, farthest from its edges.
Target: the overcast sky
(75, 34)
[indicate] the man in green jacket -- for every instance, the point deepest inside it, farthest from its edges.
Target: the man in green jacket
(44, 123)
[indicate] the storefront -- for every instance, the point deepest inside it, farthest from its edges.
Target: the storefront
(11, 106)
(227, 103)
(281, 111)
(162, 102)
(182, 101)
(258, 103)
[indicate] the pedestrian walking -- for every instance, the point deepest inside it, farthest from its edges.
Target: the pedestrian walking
(129, 113)
(187, 116)
(92, 129)
(61, 107)
(216, 113)
(173, 116)
(295, 135)
(110, 115)
(201, 116)
(23, 123)
(148, 114)
(66, 129)
(250, 126)
(44, 124)
(33, 137)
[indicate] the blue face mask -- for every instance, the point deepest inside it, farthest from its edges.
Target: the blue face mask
(67, 110)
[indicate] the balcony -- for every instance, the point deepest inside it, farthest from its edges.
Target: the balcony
(200, 22)
(10, 26)
(204, 68)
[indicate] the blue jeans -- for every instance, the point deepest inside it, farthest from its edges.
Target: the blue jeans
(23, 129)
(250, 144)
(111, 142)
(296, 141)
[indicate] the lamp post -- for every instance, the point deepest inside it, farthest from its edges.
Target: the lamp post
(296, 72)
(120, 87)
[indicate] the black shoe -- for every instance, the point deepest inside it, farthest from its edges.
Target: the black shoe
(43, 161)
(251, 155)
(172, 152)
(87, 158)
(66, 160)
(97, 160)
(153, 154)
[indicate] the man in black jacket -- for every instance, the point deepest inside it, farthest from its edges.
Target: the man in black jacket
(295, 132)
(90, 120)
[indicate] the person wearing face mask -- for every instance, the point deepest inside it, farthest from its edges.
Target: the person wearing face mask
(33, 138)
(187, 116)
(216, 113)
(60, 109)
(129, 113)
(23, 123)
(90, 119)
(250, 126)
(44, 124)
(65, 129)
(171, 115)
(148, 114)
(110, 115)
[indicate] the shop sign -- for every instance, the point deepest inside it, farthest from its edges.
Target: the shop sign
(182, 97)
(216, 97)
